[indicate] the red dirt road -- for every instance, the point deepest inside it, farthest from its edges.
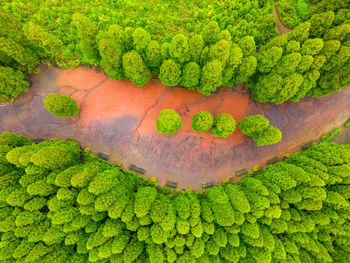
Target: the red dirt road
(118, 117)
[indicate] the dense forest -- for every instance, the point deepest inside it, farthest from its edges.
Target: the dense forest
(195, 44)
(61, 204)
(294, 12)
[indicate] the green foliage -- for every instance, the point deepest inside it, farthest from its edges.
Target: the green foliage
(288, 209)
(202, 121)
(56, 157)
(135, 69)
(211, 77)
(191, 74)
(253, 124)
(14, 50)
(223, 125)
(170, 73)
(61, 105)
(168, 122)
(259, 129)
(12, 82)
(270, 135)
(199, 46)
(87, 31)
(110, 46)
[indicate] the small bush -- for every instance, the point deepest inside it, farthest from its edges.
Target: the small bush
(202, 121)
(61, 105)
(168, 122)
(224, 125)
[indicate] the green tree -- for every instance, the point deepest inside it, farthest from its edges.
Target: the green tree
(210, 33)
(144, 198)
(170, 73)
(135, 69)
(153, 55)
(168, 122)
(23, 56)
(270, 135)
(87, 32)
(202, 121)
(211, 77)
(247, 44)
(220, 51)
(110, 46)
(267, 59)
(223, 125)
(12, 82)
(57, 156)
(195, 45)
(191, 74)
(253, 124)
(141, 39)
(61, 105)
(320, 23)
(178, 48)
(312, 46)
(49, 44)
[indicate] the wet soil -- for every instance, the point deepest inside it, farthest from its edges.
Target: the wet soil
(118, 118)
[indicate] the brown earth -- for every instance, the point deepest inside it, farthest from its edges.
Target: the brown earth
(118, 117)
(280, 27)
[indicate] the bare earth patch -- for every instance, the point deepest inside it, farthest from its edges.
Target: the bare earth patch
(118, 117)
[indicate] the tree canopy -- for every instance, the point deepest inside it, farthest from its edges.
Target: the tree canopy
(61, 105)
(223, 125)
(168, 122)
(202, 121)
(294, 210)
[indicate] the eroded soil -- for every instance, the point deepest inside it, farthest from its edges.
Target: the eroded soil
(118, 117)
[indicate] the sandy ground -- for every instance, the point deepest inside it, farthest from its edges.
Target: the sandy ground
(118, 117)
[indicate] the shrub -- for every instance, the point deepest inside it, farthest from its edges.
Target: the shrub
(270, 135)
(253, 124)
(61, 105)
(168, 122)
(223, 125)
(202, 121)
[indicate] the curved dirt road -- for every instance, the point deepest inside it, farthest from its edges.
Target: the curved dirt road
(280, 27)
(119, 118)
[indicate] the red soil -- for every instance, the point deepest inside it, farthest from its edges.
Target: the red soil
(118, 117)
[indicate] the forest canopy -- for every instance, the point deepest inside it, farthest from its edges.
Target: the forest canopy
(195, 44)
(61, 204)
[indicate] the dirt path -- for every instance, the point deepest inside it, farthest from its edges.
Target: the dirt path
(119, 118)
(280, 27)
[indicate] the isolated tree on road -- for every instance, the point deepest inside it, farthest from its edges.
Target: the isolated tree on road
(61, 105)
(253, 124)
(224, 125)
(202, 121)
(168, 122)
